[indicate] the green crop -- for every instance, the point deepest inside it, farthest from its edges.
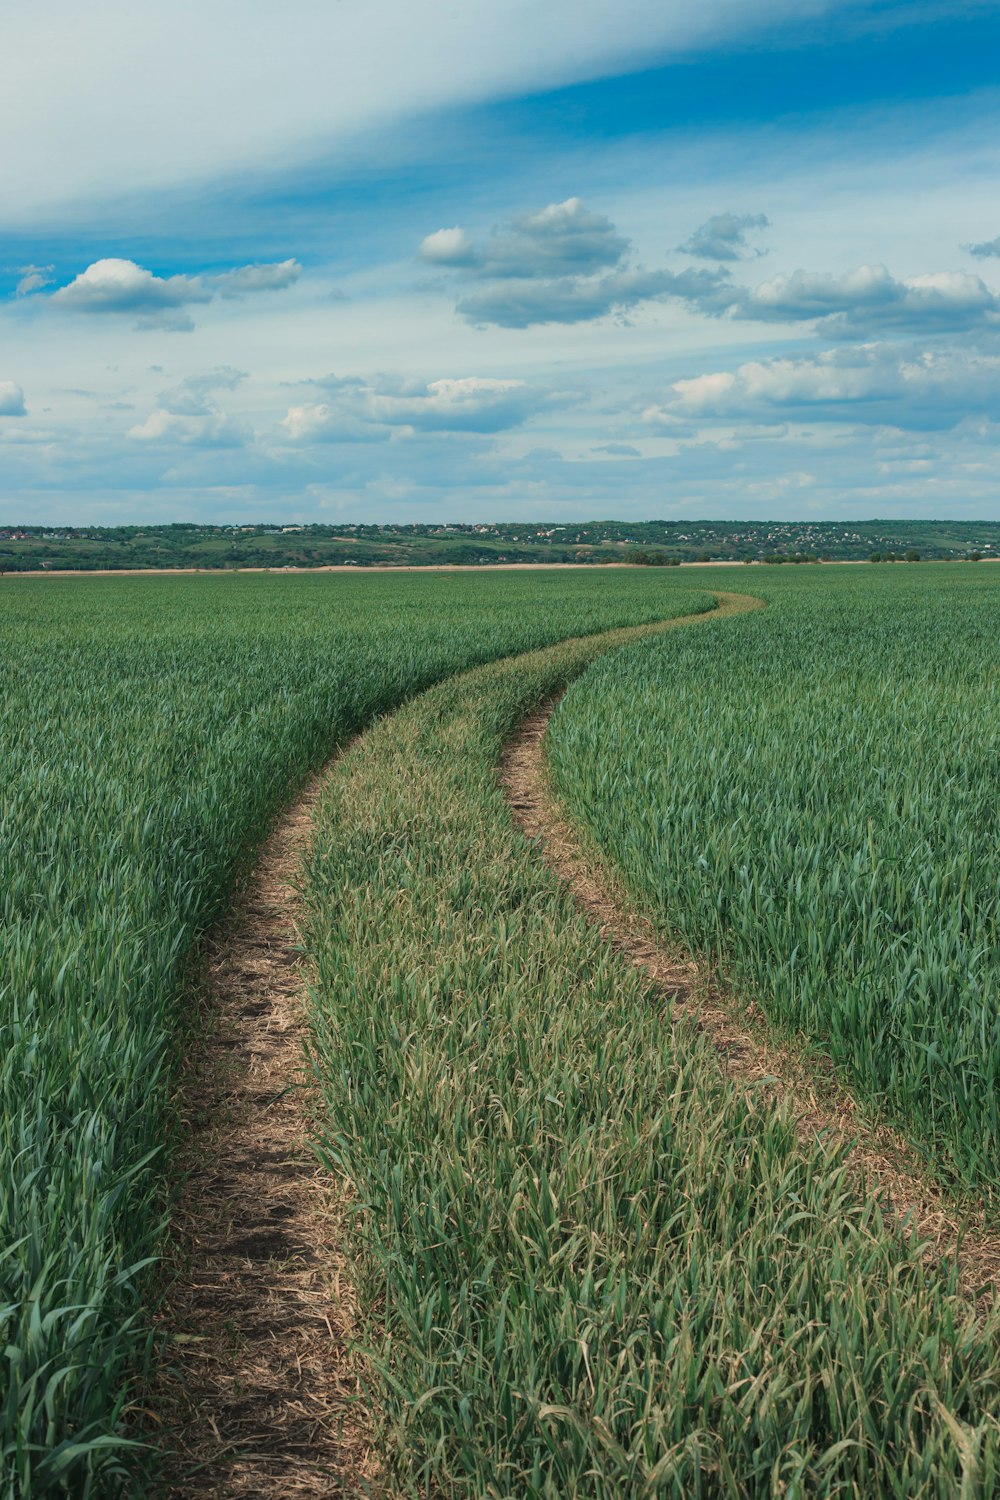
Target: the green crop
(149, 730)
(589, 1266)
(809, 794)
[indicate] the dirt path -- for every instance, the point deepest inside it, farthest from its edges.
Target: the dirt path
(438, 567)
(262, 1397)
(818, 1103)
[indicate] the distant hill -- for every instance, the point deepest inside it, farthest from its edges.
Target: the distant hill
(40, 549)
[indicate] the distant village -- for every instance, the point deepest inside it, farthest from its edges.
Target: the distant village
(304, 544)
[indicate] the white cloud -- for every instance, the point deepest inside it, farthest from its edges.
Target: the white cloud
(361, 411)
(448, 247)
(11, 400)
(471, 404)
(870, 299)
(122, 286)
(160, 110)
(724, 237)
(323, 422)
(563, 239)
(561, 264)
(875, 385)
(568, 264)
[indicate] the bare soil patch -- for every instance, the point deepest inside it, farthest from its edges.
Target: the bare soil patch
(819, 1105)
(261, 1395)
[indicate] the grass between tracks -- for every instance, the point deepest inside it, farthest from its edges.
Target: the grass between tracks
(589, 1267)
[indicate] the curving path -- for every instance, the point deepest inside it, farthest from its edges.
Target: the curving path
(263, 1396)
(818, 1103)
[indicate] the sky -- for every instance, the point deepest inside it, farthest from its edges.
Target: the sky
(474, 260)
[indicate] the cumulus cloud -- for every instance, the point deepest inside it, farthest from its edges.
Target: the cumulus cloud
(872, 385)
(121, 286)
(985, 248)
(188, 414)
(724, 237)
(33, 279)
(871, 300)
(563, 264)
(363, 411)
(327, 422)
(618, 450)
(560, 240)
(114, 285)
(567, 264)
(11, 400)
(448, 247)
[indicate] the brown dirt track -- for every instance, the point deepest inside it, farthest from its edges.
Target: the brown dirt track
(819, 1104)
(261, 1395)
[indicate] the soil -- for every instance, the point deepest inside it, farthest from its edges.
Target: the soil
(880, 1157)
(539, 567)
(262, 1394)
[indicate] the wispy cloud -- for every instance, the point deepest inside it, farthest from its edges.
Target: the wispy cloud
(724, 237)
(358, 410)
(873, 385)
(188, 414)
(244, 281)
(291, 90)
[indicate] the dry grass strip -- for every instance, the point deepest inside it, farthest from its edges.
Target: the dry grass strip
(804, 1083)
(261, 1395)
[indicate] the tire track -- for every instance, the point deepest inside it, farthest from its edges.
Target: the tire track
(881, 1159)
(261, 1396)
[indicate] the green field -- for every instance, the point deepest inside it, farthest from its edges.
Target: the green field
(150, 730)
(808, 795)
(586, 1264)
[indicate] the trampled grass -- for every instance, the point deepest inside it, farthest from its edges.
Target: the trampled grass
(150, 729)
(809, 794)
(588, 1265)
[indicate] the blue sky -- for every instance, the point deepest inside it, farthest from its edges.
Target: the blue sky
(394, 260)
